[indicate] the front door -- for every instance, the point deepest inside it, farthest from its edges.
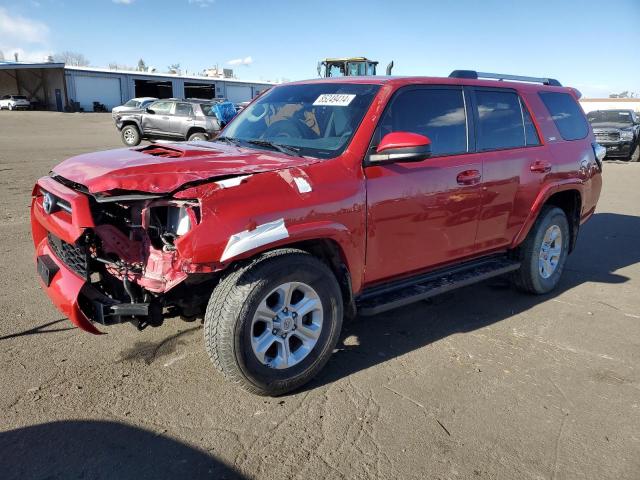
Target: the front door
(425, 214)
(160, 120)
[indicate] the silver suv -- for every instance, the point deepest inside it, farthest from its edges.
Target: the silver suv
(170, 119)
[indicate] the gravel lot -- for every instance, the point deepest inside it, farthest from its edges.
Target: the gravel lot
(484, 383)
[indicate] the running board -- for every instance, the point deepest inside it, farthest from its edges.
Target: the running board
(404, 292)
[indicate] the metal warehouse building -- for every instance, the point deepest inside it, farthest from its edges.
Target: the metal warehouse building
(114, 87)
(54, 85)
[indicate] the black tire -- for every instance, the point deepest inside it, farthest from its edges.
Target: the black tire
(635, 155)
(130, 136)
(529, 277)
(229, 314)
(197, 136)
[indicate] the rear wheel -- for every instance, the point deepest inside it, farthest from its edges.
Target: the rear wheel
(635, 155)
(130, 135)
(272, 323)
(543, 253)
(198, 136)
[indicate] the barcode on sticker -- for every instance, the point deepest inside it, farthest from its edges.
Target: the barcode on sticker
(334, 99)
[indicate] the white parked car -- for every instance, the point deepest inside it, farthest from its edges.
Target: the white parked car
(133, 104)
(14, 102)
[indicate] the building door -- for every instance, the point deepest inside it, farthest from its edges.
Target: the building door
(58, 100)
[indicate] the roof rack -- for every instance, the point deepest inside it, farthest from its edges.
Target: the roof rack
(498, 76)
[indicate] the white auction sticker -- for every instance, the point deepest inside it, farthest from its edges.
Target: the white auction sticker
(334, 99)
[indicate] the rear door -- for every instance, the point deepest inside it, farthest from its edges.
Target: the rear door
(182, 119)
(424, 214)
(514, 164)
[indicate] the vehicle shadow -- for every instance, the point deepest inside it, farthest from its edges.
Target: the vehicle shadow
(39, 329)
(607, 243)
(102, 449)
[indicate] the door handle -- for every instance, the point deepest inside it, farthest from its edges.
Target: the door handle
(540, 167)
(469, 177)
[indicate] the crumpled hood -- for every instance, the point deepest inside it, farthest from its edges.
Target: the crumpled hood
(164, 168)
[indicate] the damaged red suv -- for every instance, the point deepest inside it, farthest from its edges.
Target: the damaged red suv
(322, 199)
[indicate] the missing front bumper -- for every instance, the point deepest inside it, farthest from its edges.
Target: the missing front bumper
(107, 311)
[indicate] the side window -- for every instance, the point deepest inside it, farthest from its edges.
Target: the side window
(530, 133)
(566, 114)
(437, 113)
(500, 122)
(184, 109)
(161, 107)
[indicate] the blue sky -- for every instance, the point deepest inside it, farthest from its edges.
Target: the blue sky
(592, 45)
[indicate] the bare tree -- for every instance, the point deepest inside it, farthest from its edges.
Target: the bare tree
(74, 59)
(624, 94)
(142, 67)
(174, 68)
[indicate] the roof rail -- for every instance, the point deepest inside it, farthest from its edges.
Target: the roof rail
(498, 76)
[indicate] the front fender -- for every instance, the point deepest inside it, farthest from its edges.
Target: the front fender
(278, 234)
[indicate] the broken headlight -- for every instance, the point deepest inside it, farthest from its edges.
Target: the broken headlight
(168, 220)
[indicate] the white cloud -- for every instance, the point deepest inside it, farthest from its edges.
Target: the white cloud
(28, 38)
(14, 28)
(123, 2)
(202, 3)
(241, 61)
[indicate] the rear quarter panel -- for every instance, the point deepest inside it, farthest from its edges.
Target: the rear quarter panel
(574, 167)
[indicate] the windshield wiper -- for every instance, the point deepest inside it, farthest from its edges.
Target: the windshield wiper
(286, 149)
(231, 140)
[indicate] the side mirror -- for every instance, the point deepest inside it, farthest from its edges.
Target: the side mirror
(398, 147)
(150, 110)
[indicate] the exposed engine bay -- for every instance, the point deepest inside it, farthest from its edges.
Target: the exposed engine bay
(130, 260)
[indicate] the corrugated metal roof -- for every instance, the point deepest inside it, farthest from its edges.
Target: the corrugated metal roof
(613, 100)
(164, 75)
(19, 65)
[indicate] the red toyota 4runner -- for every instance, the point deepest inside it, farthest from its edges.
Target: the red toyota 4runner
(321, 199)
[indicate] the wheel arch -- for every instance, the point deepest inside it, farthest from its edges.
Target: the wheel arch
(193, 130)
(329, 242)
(133, 123)
(567, 196)
(331, 254)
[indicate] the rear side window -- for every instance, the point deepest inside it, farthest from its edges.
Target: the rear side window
(184, 109)
(566, 114)
(500, 120)
(437, 113)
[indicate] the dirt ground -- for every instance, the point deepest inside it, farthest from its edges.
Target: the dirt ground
(484, 383)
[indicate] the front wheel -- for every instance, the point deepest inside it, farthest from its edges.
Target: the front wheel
(130, 136)
(543, 253)
(272, 323)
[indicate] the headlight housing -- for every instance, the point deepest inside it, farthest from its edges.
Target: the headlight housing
(167, 220)
(626, 134)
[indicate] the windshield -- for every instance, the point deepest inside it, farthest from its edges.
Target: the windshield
(131, 103)
(315, 119)
(610, 116)
(19, 97)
